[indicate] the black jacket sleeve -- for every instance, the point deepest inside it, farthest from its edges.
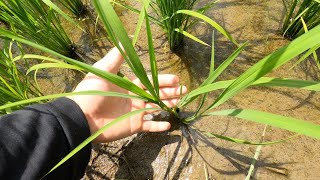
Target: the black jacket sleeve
(36, 138)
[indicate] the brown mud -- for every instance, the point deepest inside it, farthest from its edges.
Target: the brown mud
(170, 155)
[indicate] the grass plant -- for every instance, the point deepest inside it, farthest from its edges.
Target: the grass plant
(298, 10)
(14, 85)
(175, 18)
(254, 76)
(166, 9)
(34, 20)
(76, 7)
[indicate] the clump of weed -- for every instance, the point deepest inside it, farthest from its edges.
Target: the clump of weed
(34, 20)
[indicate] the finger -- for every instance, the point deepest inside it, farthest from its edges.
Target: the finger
(172, 92)
(155, 126)
(170, 103)
(165, 80)
(111, 62)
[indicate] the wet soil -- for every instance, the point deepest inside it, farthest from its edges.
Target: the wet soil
(183, 154)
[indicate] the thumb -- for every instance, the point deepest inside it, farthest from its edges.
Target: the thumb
(111, 62)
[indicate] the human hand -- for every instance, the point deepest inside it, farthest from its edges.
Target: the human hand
(100, 110)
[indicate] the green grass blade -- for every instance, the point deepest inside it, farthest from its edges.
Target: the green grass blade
(287, 123)
(270, 63)
(212, 62)
(185, 33)
(64, 15)
(153, 62)
(137, 12)
(223, 66)
(241, 141)
(53, 65)
(264, 81)
(306, 55)
(34, 56)
(118, 33)
(210, 21)
(142, 15)
(96, 134)
(54, 96)
(314, 52)
(121, 82)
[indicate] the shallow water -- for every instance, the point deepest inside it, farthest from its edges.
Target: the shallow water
(167, 155)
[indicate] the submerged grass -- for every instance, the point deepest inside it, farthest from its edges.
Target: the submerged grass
(254, 76)
(14, 85)
(34, 20)
(296, 10)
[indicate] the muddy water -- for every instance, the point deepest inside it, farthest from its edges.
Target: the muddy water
(168, 155)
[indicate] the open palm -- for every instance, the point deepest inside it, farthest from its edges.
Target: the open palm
(100, 110)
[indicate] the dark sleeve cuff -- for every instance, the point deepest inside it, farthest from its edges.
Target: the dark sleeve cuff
(76, 129)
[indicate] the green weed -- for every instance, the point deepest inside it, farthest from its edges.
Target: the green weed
(14, 85)
(76, 7)
(308, 10)
(34, 20)
(175, 18)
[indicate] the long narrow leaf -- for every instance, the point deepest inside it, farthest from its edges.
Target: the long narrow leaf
(264, 81)
(116, 30)
(210, 21)
(142, 15)
(212, 62)
(63, 14)
(241, 141)
(54, 96)
(53, 65)
(288, 123)
(224, 65)
(270, 63)
(153, 62)
(185, 33)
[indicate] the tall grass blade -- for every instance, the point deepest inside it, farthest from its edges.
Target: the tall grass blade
(241, 141)
(306, 55)
(264, 81)
(223, 66)
(118, 34)
(212, 62)
(210, 21)
(53, 65)
(142, 15)
(270, 63)
(54, 96)
(63, 14)
(153, 62)
(185, 33)
(287, 123)
(314, 53)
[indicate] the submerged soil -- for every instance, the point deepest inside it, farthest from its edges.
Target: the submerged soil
(170, 155)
